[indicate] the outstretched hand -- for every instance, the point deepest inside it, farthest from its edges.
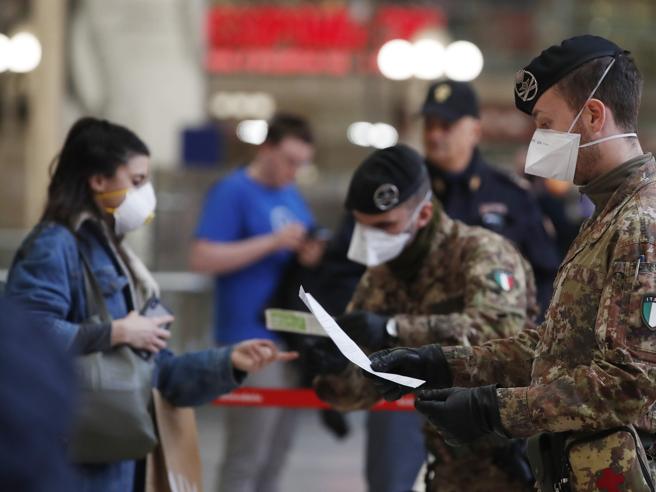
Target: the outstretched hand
(255, 355)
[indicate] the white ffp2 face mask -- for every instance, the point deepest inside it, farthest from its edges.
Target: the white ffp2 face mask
(137, 208)
(553, 154)
(372, 247)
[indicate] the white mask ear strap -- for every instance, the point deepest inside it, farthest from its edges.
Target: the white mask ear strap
(605, 139)
(612, 62)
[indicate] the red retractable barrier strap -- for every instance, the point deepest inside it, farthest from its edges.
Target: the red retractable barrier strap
(296, 398)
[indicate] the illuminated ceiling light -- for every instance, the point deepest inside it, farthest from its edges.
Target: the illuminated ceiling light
(358, 133)
(429, 58)
(24, 52)
(252, 131)
(464, 61)
(382, 135)
(5, 49)
(217, 105)
(264, 104)
(396, 60)
(256, 105)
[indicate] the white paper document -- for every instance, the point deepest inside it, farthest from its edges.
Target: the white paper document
(348, 347)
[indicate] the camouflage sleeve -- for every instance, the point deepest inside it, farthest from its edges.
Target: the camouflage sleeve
(495, 301)
(362, 293)
(619, 386)
(349, 390)
(505, 361)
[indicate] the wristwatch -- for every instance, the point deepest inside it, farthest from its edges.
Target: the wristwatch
(391, 328)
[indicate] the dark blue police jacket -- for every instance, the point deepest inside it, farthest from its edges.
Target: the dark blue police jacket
(484, 196)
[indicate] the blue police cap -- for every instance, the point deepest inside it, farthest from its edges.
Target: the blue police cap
(450, 100)
(554, 63)
(386, 179)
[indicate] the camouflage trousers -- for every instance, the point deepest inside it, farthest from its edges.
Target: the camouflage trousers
(472, 474)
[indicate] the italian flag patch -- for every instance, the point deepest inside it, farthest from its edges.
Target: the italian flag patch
(649, 311)
(504, 279)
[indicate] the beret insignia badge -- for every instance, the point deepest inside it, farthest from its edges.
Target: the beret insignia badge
(526, 85)
(386, 196)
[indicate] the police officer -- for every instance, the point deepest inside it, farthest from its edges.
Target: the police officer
(585, 383)
(429, 279)
(476, 193)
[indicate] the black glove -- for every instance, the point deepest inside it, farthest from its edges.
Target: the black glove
(427, 363)
(366, 329)
(462, 415)
(323, 357)
(335, 422)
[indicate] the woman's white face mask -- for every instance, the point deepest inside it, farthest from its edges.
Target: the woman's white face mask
(553, 154)
(372, 247)
(137, 209)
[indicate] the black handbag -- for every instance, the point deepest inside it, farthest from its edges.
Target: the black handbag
(113, 418)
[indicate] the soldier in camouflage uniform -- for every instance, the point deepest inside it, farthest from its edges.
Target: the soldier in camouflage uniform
(451, 283)
(585, 380)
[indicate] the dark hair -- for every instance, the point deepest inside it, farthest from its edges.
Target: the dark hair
(418, 196)
(620, 90)
(284, 125)
(92, 147)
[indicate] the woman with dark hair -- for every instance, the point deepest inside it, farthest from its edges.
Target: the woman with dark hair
(100, 191)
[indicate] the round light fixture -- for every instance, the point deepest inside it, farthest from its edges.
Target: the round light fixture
(382, 135)
(358, 133)
(24, 52)
(252, 131)
(429, 58)
(396, 59)
(464, 61)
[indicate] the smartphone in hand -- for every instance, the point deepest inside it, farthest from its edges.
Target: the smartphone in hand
(154, 307)
(151, 308)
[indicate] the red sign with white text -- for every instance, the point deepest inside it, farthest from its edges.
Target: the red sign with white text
(310, 40)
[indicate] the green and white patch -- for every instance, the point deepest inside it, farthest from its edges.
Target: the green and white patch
(649, 311)
(504, 279)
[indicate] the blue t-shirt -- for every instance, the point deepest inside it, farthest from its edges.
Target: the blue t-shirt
(238, 208)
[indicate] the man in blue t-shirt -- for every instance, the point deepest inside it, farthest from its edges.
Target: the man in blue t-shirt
(253, 223)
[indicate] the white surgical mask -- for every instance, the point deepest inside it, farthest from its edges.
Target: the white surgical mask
(553, 154)
(135, 210)
(372, 247)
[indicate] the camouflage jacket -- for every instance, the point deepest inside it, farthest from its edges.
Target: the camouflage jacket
(592, 363)
(473, 286)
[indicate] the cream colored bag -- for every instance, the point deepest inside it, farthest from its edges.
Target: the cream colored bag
(174, 465)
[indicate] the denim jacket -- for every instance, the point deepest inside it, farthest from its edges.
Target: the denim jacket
(47, 278)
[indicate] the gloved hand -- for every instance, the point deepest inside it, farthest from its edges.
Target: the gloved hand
(323, 357)
(427, 363)
(462, 415)
(336, 422)
(365, 328)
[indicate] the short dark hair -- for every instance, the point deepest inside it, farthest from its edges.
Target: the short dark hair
(285, 125)
(621, 90)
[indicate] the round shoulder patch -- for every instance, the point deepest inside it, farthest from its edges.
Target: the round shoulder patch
(386, 196)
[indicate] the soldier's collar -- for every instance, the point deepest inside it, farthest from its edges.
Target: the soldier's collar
(611, 189)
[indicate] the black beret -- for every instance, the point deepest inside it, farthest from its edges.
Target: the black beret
(450, 100)
(386, 179)
(554, 63)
